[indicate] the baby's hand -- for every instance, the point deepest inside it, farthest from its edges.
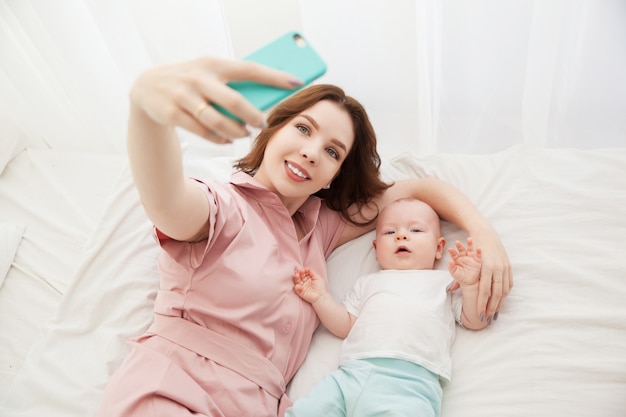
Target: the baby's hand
(465, 264)
(308, 285)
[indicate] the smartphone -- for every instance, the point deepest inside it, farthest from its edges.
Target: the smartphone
(291, 53)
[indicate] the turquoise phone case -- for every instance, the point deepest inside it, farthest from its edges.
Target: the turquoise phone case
(291, 53)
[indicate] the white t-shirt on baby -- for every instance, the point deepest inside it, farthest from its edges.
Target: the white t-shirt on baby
(404, 314)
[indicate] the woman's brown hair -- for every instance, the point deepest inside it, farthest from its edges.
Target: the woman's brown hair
(358, 180)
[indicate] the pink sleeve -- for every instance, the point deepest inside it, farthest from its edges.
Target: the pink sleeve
(190, 254)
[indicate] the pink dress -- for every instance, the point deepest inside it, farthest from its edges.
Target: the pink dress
(229, 331)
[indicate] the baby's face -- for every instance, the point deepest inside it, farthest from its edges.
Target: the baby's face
(408, 236)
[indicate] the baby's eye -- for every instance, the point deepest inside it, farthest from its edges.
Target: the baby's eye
(333, 153)
(415, 230)
(389, 232)
(303, 129)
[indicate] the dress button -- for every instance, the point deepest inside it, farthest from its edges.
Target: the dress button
(287, 327)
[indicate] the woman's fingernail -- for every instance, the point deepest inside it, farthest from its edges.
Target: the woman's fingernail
(262, 124)
(295, 82)
(489, 321)
(482, 316)
(495, 316)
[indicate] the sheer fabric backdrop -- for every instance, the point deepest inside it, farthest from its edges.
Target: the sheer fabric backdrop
(435, 76)
(479, 76)
(66, 65)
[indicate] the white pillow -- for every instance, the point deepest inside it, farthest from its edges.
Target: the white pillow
(560, 214)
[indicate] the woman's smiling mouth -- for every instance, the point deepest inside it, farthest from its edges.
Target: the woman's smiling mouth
(297, 171)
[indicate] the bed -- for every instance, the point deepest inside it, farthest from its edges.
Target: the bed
(519, 104)
(79, 278)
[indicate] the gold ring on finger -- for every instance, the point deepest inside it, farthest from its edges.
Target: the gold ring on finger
(201, 107)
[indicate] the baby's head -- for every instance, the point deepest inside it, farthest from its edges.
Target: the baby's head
(408, 236)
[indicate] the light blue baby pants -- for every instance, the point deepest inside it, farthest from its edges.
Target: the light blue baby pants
(373, 388)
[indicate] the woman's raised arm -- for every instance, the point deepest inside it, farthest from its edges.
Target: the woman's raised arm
(452, 205)
(166, 97)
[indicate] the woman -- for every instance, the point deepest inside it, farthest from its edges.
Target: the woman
(229, 332)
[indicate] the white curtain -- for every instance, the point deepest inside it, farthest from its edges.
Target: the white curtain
(435, 75)
(66, 65)
(478, 76)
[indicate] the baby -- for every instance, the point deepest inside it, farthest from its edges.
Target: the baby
(398, 323)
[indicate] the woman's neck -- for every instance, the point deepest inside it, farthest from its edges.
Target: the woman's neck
(293, 204)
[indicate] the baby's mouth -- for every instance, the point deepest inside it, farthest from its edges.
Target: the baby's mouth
(403, 249)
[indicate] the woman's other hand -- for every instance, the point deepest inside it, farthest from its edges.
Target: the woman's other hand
(496, 276)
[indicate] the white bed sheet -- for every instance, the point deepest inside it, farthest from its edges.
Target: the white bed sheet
(10, 239)
(559, 345)
(84, 278)
(49, 196)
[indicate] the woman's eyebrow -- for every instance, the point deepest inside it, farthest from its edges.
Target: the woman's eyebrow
(311, 120)
(339, 144)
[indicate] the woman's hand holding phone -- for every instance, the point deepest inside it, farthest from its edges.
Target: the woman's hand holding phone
(215, 98)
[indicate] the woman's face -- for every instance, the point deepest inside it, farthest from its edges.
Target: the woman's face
(306, 154)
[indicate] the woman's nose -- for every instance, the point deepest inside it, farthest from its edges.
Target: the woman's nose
(309, 155)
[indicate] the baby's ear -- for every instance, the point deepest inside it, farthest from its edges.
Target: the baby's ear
(374, 243)
(441, 246)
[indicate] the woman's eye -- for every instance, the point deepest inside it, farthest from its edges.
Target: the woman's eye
(333, 153)
(303, 129)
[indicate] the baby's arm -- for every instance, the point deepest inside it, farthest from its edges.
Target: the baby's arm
(464, 266)
(334, 316)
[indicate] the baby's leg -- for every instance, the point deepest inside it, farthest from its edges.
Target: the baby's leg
(397, 388)
(325, 399)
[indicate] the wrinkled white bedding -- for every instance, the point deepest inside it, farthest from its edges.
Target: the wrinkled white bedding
(83, 279)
